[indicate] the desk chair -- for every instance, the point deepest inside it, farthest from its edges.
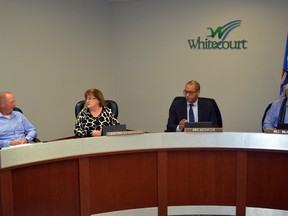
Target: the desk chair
(109, 103)
(19, 110)
(264, 116)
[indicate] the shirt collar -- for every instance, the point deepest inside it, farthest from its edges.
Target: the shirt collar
(194, 104)
(12, 114)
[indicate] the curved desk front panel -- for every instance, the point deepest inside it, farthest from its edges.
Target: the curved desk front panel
(158, 172)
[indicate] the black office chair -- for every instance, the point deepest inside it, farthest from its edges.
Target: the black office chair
(264, 116)
(217, 110)
(109, 103)
(19, 110)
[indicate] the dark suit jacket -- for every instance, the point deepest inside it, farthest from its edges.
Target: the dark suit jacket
(178, 111)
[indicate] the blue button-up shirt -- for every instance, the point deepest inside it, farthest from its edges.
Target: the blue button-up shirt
(272, 116)
(16, 127)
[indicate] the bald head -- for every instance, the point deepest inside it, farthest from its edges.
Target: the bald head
(7, 103)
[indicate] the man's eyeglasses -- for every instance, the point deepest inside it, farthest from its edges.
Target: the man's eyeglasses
(189, 92)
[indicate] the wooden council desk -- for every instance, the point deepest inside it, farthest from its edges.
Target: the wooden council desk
(148, 174)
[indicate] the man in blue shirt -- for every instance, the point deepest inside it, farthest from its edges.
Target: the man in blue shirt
(15, 129)
(272, 117)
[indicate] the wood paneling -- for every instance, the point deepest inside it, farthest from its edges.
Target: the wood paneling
(202, 178)
(125, 181)
(241, 184)
(7, 205)
(162, 184)
(113, 181)
(84, 181)
(267, 180)
(48, 189)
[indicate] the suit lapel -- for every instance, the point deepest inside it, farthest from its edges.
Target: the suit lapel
(200, 110)
(182, 109)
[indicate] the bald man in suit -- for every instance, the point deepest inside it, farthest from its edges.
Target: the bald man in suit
(180, 111)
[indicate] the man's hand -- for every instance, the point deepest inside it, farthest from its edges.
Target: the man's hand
(18, 142)
(270, 130)
(182, 124)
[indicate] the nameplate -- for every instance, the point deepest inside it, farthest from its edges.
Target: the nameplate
(276, 131)
(203, 130)
(119, 133)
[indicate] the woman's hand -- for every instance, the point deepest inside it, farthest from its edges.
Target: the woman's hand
(96, 133)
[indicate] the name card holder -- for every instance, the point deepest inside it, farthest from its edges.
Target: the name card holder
(276, 131)
(120, 133)
(203, 129)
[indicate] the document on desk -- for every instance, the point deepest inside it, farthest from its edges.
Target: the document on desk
(18, 146)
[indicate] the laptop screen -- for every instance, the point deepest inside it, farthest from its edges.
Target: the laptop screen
(113, 128)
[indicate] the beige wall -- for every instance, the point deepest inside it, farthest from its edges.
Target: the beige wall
(51, 52)
(153, 60)
(137, 53)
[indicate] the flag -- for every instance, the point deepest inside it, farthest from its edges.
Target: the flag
(284, 77)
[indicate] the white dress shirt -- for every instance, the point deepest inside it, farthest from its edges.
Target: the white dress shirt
(195, 111)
